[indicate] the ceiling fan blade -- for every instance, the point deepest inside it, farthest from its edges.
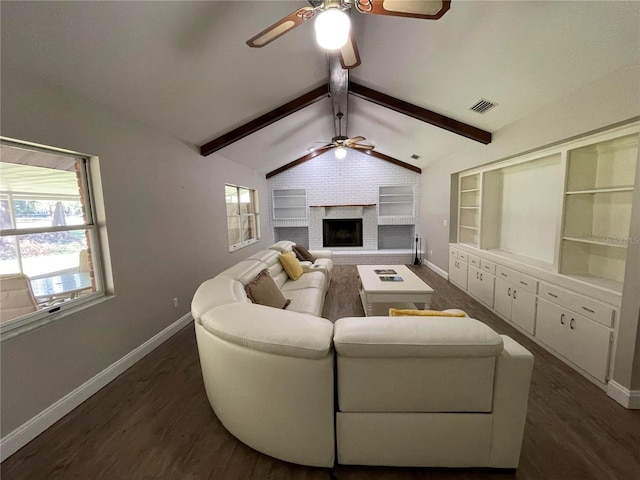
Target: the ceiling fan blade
(322, 149)
(349, 56)
(355, 139)
(281, 27)
(427, 9)
(361, 146)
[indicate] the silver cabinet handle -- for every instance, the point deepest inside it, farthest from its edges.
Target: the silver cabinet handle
(509, 292)
(588, 310)
(514, 294)
(552, 295)
(562, 319)
(504, 274)
(477, 275)
(523, 283)
(481, 277)
(572, 323)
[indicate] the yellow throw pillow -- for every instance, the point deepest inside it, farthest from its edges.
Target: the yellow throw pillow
(291, 265)
(398, 312)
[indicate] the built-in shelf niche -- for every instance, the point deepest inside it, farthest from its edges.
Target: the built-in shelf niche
(598, 199)
(395, 200)
(469, 210)
(290, 203)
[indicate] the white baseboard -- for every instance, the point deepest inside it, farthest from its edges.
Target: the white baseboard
(50, 415)
(438, 270)
(627, 398)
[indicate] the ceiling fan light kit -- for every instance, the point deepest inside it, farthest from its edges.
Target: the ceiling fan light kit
(340, 153)
(332, 29)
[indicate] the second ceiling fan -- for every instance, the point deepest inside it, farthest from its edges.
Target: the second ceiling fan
(332, 30)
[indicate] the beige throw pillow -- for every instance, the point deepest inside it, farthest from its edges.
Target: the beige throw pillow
(264, 291)
(291, 265)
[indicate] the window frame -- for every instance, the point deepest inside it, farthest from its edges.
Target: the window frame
(239, 216)
(95, 229)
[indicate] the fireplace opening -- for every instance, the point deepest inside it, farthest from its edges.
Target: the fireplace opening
(342, 232)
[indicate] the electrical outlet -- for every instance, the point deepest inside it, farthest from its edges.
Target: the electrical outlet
(445, 222)
(175, 302)
(430, 253)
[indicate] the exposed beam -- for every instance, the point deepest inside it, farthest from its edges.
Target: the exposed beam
(373, 153)
(395, 161)
(420, 113)
(296, 162)
(265, 120)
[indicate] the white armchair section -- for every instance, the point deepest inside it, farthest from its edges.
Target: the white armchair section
(429, 391)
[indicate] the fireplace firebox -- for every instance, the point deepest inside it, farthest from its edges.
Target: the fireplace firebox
(342, 232)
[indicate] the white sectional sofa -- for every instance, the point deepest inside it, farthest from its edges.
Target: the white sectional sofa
(411, 391)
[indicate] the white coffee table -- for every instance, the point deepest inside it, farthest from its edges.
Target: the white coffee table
(378, 296)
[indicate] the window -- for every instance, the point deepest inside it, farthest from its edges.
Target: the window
(243, 223)
(49, 251)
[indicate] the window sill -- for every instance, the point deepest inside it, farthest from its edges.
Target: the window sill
(238, 246)
(18, 328)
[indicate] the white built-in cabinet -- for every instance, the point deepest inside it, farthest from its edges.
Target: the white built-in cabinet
(542, 239)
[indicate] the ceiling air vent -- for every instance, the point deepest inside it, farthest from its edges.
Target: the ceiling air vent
(483, 105)
(415, 157)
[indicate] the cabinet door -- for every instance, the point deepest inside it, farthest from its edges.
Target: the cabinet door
(502, 298)
(552, 323)
(458, 273)
(480, 285)
(589, 346)
(523, 309)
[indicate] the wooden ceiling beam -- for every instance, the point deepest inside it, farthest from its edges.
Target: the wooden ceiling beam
(420, 113)
(395, 161)
(265, 120)
(373, 153)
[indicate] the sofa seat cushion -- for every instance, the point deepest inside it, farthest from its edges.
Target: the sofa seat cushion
(217, 291)
(270, 330)
(307, 280)
(415, 337)
(305, 300)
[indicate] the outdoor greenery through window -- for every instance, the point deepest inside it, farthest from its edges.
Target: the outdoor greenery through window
(49, 254)
(242, 216)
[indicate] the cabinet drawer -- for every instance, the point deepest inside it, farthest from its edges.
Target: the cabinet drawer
(453, 253)
(487, 266)
(462, 256)
(587, 307)
(522, 281)
(473, 260)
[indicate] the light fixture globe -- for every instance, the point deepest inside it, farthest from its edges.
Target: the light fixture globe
(332, 29)
(340, 153)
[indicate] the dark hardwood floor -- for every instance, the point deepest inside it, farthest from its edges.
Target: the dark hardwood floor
(154, 421)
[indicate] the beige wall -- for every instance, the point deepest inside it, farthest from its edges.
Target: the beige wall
(607, 101)
(165, 212)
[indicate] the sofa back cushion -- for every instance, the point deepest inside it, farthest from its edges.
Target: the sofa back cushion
(415, 364)
(244, 271)
(283, 246)
(217, 291)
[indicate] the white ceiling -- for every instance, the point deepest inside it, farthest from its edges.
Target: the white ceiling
(184, 68)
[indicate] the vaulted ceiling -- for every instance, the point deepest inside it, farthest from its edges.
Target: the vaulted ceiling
(184, 67)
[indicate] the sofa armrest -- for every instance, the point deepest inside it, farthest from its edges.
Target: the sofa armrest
(321, 253)
(510, 398)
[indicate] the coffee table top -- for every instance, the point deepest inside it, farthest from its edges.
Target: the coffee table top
(370, 277)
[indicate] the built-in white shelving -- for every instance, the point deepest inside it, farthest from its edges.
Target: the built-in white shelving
(396, 200)
(290, 203)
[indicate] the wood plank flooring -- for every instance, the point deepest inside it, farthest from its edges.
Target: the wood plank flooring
(154, 421)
